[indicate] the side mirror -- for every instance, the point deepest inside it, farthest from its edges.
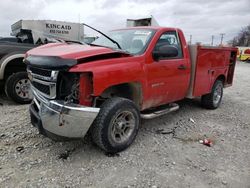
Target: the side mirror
(165, 51)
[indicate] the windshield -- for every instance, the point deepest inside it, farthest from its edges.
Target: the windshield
(133, 41)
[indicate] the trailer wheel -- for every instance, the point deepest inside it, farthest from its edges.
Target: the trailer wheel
(213, 99)
(116, 125)
(17, 88)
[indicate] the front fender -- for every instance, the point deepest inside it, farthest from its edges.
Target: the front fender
(109, 73)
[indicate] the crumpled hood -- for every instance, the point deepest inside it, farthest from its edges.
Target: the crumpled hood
(63, 56)
(69, 51)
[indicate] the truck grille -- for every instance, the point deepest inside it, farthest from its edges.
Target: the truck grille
(41, 87)
(42, 72)
(43, 81)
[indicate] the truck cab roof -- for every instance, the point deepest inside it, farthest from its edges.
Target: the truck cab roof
(149, 27)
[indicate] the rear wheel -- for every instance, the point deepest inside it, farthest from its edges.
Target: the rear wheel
(17, 87)
(213, 99)
(116, 125)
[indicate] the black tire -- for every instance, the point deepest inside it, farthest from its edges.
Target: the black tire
(11, 91)
(104, 130)
(213, 99)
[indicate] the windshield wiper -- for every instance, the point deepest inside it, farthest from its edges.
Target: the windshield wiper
(112, 40)
(74, 41)
(118, 50)
(65, 41)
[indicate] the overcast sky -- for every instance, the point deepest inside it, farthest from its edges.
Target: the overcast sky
(201, 18)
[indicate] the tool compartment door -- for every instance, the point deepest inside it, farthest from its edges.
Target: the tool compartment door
(211, 62)
(203, 72)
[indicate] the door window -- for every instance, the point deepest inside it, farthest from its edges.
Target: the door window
(170, 38)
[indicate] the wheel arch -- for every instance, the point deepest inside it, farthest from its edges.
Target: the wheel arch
(129, 90)
(222, 78)
(11, 64)
(209, 100)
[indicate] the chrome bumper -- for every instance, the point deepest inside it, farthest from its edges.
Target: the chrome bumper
(60, 118)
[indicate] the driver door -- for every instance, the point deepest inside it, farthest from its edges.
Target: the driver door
(168, 77)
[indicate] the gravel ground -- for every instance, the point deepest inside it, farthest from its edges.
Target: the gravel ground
(166, 153)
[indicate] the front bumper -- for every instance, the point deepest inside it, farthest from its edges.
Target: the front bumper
(59, 118)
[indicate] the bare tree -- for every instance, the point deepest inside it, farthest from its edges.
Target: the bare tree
(243, 37)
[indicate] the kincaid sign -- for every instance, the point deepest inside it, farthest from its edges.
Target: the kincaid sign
(42, 29)
(58, 28)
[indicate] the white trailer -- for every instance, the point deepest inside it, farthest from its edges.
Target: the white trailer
(40, 30)
(148, 21)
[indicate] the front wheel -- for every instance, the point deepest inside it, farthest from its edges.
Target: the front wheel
(213, 99)
(116, 125)
(17, 87)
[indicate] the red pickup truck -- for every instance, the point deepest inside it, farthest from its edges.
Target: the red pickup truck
(105, 88)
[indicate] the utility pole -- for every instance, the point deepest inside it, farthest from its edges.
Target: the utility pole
(212, 43)
(221, 38)
(190, 39)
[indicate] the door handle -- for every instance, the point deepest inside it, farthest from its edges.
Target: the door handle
(182, 67)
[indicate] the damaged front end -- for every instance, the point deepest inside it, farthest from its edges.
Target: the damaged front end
(56, 105)
(60, 118)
